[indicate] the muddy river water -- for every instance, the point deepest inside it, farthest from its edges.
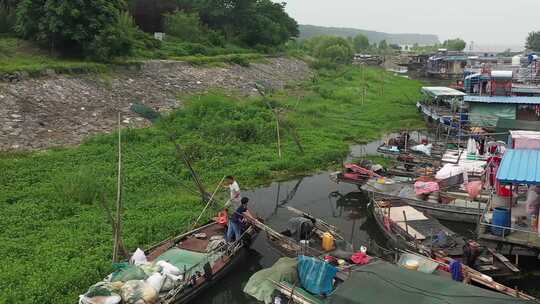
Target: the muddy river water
(342, 205)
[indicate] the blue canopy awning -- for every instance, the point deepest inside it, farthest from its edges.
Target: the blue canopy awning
(520, 167)
(522, 100)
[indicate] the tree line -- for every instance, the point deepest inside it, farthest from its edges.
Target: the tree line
(105, 29)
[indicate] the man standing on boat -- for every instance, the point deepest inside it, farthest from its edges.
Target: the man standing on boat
(238, 221)
(234, 190)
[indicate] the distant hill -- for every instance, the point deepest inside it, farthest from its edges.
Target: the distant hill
(308, 31)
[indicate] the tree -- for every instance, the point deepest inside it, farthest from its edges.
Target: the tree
(78, 27)
(383, 45)
(360, 43)
(269, 25)
(7, 18)
(186, 26)
(395, 46)
(457, 44)
(253, 22)
(533, 41)
(333, 49)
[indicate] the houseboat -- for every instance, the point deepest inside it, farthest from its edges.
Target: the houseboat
(512, 218)
(444, 107)
(485, 111)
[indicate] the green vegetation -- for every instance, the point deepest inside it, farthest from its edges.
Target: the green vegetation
(55, 237)
(81, 35)
(360, 43)
(533, 41)
(23, 56)
(98, 29)
(457, 44)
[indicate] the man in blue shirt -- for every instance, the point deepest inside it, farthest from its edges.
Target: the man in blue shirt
(237, 221)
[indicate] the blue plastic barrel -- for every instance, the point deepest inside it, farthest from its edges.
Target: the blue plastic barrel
(501, 218)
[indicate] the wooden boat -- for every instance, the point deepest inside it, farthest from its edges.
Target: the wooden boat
(449, 205)
(353, 174)
(409, 229)
(383, 282)
(375, 268)
(290, 247)
(203, 263)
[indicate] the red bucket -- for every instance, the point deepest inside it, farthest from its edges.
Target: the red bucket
(504, 191)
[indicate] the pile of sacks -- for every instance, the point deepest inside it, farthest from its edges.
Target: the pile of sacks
(136, 282)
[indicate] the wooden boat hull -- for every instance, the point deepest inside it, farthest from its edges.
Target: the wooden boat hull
(440, 211)
(226, 263)
(193, 293)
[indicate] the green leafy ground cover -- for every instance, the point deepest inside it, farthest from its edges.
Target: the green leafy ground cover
(17, 55)
(55, 239)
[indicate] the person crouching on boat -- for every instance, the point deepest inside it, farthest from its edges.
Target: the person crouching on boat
(238, 221)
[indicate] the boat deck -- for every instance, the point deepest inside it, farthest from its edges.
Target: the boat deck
(424, 230)
(474, 167)
(193, 243)
(521, 233)
(406, 191)
(190, 242)
(417, 226)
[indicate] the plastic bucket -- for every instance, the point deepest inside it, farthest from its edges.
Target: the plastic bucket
(504, 191)
(501, 218)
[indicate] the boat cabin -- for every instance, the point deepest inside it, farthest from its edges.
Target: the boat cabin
(443, 105)
(446, 64)
(484, 111)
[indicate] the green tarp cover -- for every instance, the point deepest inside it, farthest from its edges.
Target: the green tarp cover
(384, 283)
(487, 115)
(261, 286)
(182, 258)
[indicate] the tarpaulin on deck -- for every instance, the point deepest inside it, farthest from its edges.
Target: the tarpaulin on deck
(487, 115)
(261, 284)
(385, 283)
(520, 167)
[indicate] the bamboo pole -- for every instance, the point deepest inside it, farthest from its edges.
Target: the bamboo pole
(118, 220)
(405, 219)
(277, 133)
(209, 202)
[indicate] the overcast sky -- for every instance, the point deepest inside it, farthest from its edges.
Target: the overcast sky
(486, 22)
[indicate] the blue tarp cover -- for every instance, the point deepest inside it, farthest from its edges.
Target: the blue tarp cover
(520, 167)
(315, 275)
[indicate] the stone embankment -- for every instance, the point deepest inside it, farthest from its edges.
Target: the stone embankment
(58, 110)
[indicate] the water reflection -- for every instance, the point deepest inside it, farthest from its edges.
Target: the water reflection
(341, 205)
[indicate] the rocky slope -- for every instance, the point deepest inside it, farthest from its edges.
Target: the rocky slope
(57, 110)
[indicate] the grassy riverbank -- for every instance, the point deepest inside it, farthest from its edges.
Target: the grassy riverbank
(54, 236)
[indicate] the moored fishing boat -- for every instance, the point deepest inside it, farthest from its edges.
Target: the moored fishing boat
(375, 282)
(176, 270)
(446, 205)
(305, 235)
(407, 228)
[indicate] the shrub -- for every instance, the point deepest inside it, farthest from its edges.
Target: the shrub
(186, 26)
(115, 40)
(240, 60)
(93, 28)
(334, 49)
(84, 186)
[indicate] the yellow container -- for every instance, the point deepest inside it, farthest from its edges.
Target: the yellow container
(327, 242)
